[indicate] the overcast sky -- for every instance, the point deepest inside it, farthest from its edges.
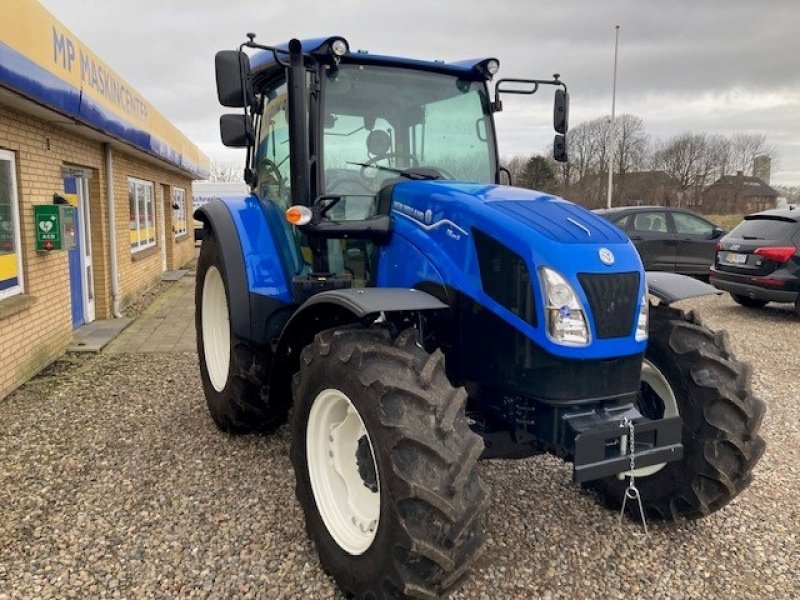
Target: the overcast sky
(719, 67)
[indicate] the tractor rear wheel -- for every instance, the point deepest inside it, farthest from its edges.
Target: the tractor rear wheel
(386, 465)
(232, 392)
(689, 370)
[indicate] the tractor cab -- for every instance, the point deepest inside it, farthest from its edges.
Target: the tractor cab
(365, 122)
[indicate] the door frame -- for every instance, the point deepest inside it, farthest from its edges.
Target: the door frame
(162, 228)
(87, 273)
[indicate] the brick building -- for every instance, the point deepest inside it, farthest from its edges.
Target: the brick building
(73, 132)
(738, 194)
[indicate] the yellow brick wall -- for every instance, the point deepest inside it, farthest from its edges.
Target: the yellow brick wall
(39, 333)
(139, 270)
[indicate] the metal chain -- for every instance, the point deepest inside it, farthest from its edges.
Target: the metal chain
(632, 492)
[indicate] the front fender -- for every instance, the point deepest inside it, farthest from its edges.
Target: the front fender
(672, 287)
(255, 274)
(335, 308)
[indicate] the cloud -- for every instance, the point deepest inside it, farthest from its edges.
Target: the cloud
(713, 66)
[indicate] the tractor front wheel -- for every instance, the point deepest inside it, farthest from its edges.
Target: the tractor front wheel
(689, 371)
(386, 465)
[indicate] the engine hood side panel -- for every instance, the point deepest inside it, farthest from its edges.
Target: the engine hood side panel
(437, 219)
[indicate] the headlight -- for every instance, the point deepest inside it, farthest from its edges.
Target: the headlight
(566, 317)
(641, 323)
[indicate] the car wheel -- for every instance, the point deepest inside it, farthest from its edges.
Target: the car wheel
(748, 302)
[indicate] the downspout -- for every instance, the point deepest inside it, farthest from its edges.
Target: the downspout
(112, 231)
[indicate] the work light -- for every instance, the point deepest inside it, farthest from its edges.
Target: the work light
(339, 47)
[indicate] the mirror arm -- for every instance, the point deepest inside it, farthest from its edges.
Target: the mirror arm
(497, 105)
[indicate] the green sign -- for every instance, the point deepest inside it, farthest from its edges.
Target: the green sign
(47, 220)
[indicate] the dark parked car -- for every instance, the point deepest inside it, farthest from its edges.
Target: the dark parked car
(668, 239)
(759, 260)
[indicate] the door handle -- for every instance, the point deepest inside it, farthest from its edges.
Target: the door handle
(636, 238)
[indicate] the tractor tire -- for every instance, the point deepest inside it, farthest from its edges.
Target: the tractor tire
(721, 419)
(232, 392)
(748, 302)
(386, 465)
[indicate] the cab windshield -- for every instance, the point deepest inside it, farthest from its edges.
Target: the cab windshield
(379, 120)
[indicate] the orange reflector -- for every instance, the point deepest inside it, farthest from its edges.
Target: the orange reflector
(298, 215)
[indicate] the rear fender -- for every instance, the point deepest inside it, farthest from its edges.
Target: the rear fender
(671, 287)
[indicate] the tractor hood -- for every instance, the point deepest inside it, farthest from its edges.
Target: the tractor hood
(553, 218)
(444, 230)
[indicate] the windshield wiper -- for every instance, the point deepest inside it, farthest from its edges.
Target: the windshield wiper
(410, 173)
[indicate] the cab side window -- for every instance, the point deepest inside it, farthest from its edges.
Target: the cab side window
(272, 165)
(273, 176)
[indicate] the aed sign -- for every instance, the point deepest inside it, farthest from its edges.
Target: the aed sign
(55, 227)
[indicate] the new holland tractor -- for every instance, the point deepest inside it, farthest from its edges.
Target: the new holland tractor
(409, 315)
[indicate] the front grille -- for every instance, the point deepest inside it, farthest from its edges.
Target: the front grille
(613, 299)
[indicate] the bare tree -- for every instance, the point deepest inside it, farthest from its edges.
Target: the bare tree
(685, 158)
(719, 157)
(225, 171)
(744, 149)
(631, 145)
(588, 147)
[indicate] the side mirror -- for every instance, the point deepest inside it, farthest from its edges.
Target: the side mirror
(561, 111)
(717, 233)
(235, 130)
(234, 83)
(560, 148)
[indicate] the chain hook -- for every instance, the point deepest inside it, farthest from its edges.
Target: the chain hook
(632, 492)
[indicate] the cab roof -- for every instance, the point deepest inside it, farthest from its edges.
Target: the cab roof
(264, 66)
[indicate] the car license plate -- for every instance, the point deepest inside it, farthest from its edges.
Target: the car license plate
(735, 259)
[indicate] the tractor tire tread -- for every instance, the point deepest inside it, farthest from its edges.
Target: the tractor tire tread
(435, 494)
(721, 423)
(242, 406)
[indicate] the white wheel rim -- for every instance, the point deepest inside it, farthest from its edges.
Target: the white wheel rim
(216, 329)
(660, 386)
(349, 509)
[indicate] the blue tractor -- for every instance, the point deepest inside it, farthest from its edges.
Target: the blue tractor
(409, 315)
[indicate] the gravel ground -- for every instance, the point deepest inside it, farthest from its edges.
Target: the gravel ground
(114, 483)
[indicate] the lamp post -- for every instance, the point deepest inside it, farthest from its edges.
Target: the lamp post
(613, 114)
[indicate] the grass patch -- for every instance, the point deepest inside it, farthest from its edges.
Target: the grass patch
(727, 222)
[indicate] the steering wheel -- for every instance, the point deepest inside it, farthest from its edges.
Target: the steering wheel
(271, 169)
(346, 182)
(374, 159)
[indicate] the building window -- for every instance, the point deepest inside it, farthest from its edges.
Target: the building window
(179, 211)
(10, 253)
(143, 217)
